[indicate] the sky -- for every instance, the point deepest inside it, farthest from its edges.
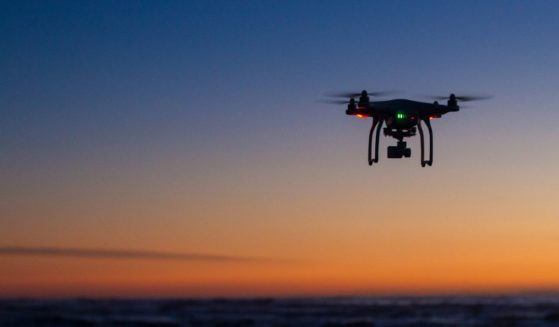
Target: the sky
(194, 127)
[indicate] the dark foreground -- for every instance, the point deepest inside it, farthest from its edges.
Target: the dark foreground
(395, 311)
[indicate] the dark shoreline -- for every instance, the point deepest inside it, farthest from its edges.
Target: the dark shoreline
(504, 310)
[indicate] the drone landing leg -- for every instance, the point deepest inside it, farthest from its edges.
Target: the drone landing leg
(379, 127)
(428, 123)
(422, 141)
(377, 123)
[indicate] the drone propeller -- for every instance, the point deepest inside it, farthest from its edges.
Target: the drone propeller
(350, 94)
(463, 98)
(334, 101)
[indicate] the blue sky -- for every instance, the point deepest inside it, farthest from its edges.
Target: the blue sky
(178, 70)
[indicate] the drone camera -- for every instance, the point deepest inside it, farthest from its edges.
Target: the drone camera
(399, 151)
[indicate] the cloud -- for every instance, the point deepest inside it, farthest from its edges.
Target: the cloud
(122, 254)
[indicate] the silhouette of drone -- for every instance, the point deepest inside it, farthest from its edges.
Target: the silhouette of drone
(403, 118)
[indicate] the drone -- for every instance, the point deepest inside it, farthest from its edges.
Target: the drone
(403, 119)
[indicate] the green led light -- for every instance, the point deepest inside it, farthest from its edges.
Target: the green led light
(400, 115)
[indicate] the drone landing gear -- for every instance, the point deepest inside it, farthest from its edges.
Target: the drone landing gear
(377, 123)
(428, 124)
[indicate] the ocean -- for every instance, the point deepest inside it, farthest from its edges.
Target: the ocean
(533, 310)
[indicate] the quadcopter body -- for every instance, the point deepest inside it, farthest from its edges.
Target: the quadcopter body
(403, 118)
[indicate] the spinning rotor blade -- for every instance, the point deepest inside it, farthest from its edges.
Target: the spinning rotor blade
(350, 94)
(333, 101)
(463, 98)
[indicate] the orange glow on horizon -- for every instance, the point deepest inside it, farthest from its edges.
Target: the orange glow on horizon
(336, 231)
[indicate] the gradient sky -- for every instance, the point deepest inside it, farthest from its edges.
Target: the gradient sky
(194, 127)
